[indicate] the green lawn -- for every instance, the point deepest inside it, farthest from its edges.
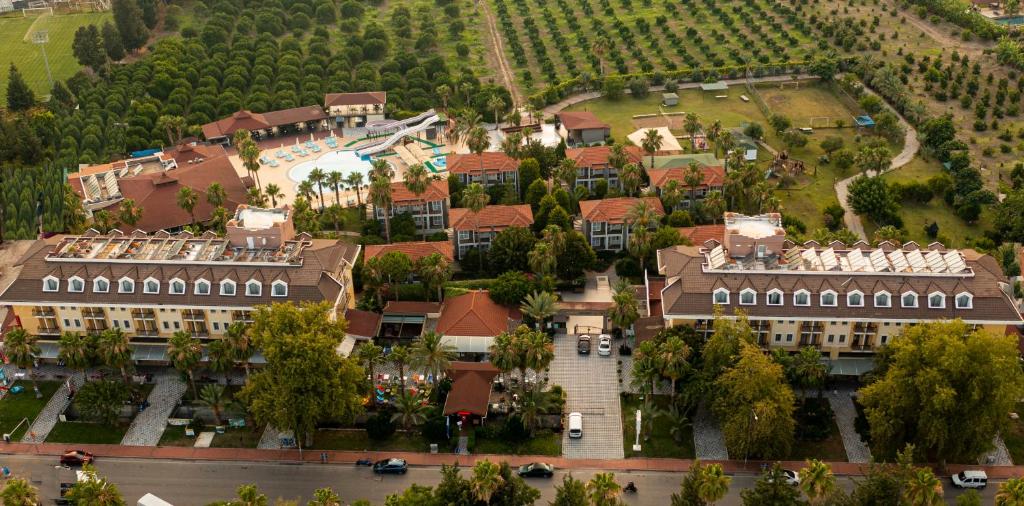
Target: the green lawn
(661, 443)
(15, 407)
(805, 103)
(1014, 438)
(542, 443)
(174, 435)
(233, 438)
(357, 440)
(86, 433)
(17, 48)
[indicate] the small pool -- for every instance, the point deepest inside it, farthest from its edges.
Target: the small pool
(440, 162)
(345, 162)
(1010, 20)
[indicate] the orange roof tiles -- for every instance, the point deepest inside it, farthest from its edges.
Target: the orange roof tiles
(493, 161)
(598, 155)
(473, 314)
(581, 120)
(492, 217)
(713, 176)
(702, 233)
(436, 190)
(615, 210)
(414, 250)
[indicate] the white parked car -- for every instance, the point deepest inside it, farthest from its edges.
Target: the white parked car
(604, 345)
(791, 477)
(575, 425)
(970, 479)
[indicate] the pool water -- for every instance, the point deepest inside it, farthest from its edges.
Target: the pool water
(1010, 20)
(345, 162)
(440, 162)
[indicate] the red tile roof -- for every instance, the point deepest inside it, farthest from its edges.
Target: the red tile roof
(471, 388)
(414, 250)
(359, 98)
(598, 155)
(493, 161)
(702, 233)
(615, 210)
(497, 217)
(184, 153)
(581, 120)
(225, 127)
(362, 323)
(473, 314)
(412, 307)
(436, 190)
(713, 176)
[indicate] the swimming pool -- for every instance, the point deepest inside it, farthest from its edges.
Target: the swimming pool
(1010, 20)
(440, 162)
(345, 162)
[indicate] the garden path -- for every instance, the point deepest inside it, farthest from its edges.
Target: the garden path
(50, 414)
(149, 425)
(708, 441)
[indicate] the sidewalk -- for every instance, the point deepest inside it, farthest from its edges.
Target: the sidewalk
(427, 459)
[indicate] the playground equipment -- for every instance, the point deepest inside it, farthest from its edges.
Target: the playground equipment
(406, 127)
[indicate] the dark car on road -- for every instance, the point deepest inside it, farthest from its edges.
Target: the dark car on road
(583, 344)
(537, 470)
(390, 466)
(76, 458)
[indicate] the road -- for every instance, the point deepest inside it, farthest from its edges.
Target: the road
(186, 483)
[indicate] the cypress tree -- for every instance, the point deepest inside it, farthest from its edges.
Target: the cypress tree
(19, 96)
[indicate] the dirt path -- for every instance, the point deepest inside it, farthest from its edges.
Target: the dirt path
(499, 55)
(943, 39)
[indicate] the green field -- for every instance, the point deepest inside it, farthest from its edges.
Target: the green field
(17, 48)
(16, 407)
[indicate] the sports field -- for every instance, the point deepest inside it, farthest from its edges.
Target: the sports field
(16, 47)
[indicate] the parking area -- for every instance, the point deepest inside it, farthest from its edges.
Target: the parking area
(592, 388)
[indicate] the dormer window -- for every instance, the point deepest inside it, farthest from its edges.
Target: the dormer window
(775, 297)
(177, 287)
(936, 300)
(855, 299)
(227, 287)
(964, 300)
(882, 299)
(202, 287)
(802, 298)
(721, 296)
(908, 299)
(279, 289)
(100, 285)
(748, 297)
(828, 298)
(253, 288)
(51, 284)
(76, 284)
(151, 286)
(126, 285)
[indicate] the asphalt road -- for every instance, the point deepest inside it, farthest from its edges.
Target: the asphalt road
(186, 483)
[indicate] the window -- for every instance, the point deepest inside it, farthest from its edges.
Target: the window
(227, 287)
(789, 338)
(882, 299)
(775, 297)
(76, 284)
(202, 287)
(855, 299)
(253, 288)
(279, 289)
(842, 338)
(908, 299)
(177, 287)
(126, 285)
(778, 338)
(937, 300)
(964, 300)
(50, 284)
(95, 320)
(100, 285)
(721, 296)
(802, 298)
(828, 298)
(46, 319)
(195, 322)
(831, 338)
(748, 297)
(151, 286)
(885, 340)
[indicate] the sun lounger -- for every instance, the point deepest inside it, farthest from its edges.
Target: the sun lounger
(280, 154)
(296, 149)
(315, 148)
(289, 157)
(273, 163)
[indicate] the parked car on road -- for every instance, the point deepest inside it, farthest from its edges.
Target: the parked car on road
(390, 466)
(76, 458)
(583, 344)
(604, 345)
(537, 470)
(575, 425)
(970, 479)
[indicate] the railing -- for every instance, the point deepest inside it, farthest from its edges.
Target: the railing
(43, 313)
(816, 342)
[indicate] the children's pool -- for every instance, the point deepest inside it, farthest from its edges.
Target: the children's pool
(345, 162)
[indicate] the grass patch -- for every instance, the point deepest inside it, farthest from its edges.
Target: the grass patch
(86, 433)
(1014, 437)
(358, 440)
(817, 433)
(15, 407)
(174, 435)
(237, 438)
(544, 442)
(661, 443)
(14, 48)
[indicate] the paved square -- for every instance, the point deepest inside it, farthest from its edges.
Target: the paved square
(592, 388)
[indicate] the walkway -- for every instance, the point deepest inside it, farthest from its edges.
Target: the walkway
(846, 413)
(50, 415)
(148, 426)
(708, 441)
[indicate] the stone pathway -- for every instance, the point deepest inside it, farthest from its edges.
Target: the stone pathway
(590, 385)
(50, 414)
(1000, 456)
(463, 447)
(845, 412)
(148, 426)
(204, 440)
(626, 387)
(271, 439)
(708, 442)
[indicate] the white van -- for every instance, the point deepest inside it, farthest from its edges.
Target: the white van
(970, 479)
(575, 425)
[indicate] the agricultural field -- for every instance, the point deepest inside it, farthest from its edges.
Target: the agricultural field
(16, 46)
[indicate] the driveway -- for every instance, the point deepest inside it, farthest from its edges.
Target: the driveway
(592, 388)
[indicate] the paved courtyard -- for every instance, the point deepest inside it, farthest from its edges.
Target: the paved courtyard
(591, 387)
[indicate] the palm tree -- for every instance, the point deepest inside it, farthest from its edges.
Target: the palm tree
(325, 496)
(466, 122)
(566, 172)
(922, 488)
(693, 178)
(187, 200)
(249, 152)
(214, 396)
(75, 351)
(434, 270)
(128, 212)
(651, 143)
(335, 180)
(22, 349)
(381, 168)
(1011, 493)
(114, 350)
(416, 180)
(539, 352)
(401, 355)
(318, 177)
(173, 126)
(726, 143)
(539, 307)
(486, 480)
(444, 92)
(603, 490)
(541, 259)
(714, 204)
(503, 354)
(380, 196)
(370, 355)
(817, 481)
(511, 144)
(496, 104)
(715, 133)
(430, 352)
(645, 367)
(713, 484)
(274, 192)
(215, 195)
(336, 216)
(478, 141)
(532, 404)
(625, 309)
(599, 47)
(305, 190)
(239, 344)
(691, 124)
(355, 182)
(640, 218)
(674, 360)
(630, 178)
(409, 410)
(185, 352)
(19, 492)
(255, 197)
(475, 198)
(220, 358)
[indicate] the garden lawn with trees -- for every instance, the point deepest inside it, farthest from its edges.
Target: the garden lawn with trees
(16, 407)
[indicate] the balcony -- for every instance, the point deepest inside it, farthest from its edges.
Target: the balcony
(44, 313)
(147, 333)
(44, 331)
(811, 341)
(859, 345)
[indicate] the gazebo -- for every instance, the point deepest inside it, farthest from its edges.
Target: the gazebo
(719, 88)
(864, 121)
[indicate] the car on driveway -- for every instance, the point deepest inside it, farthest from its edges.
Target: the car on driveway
(604, 345)
(575, 425)
(76, 458)
(537, 470)
(583, 344)
(390, 466)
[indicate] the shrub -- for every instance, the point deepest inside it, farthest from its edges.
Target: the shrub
(510, 288)
(514, 429)
(627, 267)
(380, 427)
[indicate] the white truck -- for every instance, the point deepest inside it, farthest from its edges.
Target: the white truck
(152, 500)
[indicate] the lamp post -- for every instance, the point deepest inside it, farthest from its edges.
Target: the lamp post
(636, 445)
(40, 38)
(750, 424)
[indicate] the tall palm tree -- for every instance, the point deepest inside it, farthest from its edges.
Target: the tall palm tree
(355, 182)
(1011, 493)
(215, 397)
(220, 358)
(255, 197)
(726, 142)
(566, 173)
(478, 141)
(599, 47)
(512, 144)
(475, 198)
(416, 180)
(249, 152)
(486, 480)
(335, 215)
(22, 349)
(318, 177)
(380, 196)
(187, 200)
(630, 178)
(409, 410)
(651, 143)
(496, 104)
(381, 168)
(466, 122)
(444, 92)
(216, 196)
(434, 270)
(540, 351)
(274, 192)
(19, 492)
(306, 190)
(503, 354)
(128, 212)
(370, 355)
(603, 490)
(115, 351)
(922, 488)
(713, 484)
(401, 355)
(714, 133)
(817, 481)
(539, 307)
(237, 340)
(694, 177)
(625, 309)
(714, 204)
(75, 351)
(674, 356)
(691, 124)
(640, 218)
(336, 180)
(541, 259)
(432, 353)
(185, 352)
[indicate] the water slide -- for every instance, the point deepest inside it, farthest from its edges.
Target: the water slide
(400, 124)
(408, 129)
